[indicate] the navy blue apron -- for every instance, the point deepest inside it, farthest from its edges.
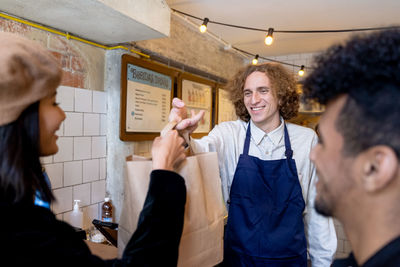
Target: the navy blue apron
(265, 223)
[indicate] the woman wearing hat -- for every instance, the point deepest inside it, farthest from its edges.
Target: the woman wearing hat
(31, 235)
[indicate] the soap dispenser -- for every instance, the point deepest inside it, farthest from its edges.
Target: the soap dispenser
(77, 215)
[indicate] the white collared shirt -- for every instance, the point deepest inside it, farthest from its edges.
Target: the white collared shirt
(227, 139)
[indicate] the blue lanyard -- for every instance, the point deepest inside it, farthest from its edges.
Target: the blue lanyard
(38, 198)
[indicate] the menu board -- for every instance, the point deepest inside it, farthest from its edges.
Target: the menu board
(146, 95)
(147, 100)
(197, 93)
(226, 110)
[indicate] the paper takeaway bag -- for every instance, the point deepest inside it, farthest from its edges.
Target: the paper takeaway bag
(202, 237)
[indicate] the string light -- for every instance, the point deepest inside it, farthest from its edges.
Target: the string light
(203, 27)
(269, 39)
(255, 60)
(289, 31)
(301, 71)
(269, 59)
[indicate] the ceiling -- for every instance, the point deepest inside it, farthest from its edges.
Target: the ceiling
(289, 15)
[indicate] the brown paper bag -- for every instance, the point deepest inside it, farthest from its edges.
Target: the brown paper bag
(202, 237)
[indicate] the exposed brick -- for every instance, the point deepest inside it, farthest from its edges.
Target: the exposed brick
(77, 63)
(37, 35)
(60, 44)
(186, 45)
(64, 60)
(15, 27)
(73, 79)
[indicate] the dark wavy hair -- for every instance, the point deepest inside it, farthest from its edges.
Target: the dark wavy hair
(20, 168)
(283, 86)
(367, 70)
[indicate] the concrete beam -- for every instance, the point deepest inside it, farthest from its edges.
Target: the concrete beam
(103, 21)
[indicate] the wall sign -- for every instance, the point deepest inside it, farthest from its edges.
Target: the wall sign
(196, 92)
(225, 108)
(146, 95)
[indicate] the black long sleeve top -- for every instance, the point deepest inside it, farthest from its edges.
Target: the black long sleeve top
(32, 236)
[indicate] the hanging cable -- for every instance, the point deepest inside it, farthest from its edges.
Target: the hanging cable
(289, 31)
(269, 59)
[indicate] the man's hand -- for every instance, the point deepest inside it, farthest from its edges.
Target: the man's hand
(179, 114)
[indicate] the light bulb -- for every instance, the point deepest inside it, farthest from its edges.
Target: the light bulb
(301, 71)
(268, 38)
(203, 27)
(255, 60)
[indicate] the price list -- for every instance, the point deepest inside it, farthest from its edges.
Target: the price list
(148, 98)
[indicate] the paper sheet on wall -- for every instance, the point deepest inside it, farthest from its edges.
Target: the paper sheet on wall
(226, 110)
(148, 100)
(197, 96)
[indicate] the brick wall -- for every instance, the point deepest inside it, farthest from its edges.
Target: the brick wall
(188, 46)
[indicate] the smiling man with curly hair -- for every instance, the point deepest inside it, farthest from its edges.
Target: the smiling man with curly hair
(268, 180)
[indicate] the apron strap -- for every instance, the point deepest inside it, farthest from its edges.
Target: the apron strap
(289, 151)
(247, 140)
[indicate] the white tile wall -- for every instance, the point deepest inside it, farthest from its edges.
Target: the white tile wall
(81, 192)
(99, 102)
(90, 170)
(89, 214)
(99, 147)
(91, 124)
(78, 170)
(65, 149)
(343, 245)
(98, 191)
(60, 131)
(103, 124)
(82, 148)
(298, 59)
(55, 173)
(46, 160)
(73, 124)
(63, 200)
(59, 216)
(103, 168)
(65, 97)
(347, 246)
(72, 173)
(83, 100)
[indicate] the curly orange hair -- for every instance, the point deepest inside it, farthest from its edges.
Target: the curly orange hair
(283, 86)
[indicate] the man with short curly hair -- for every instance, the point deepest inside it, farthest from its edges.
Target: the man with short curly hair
(358, 155)
(267, 176)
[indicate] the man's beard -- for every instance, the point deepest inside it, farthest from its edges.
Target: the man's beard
(322, 207)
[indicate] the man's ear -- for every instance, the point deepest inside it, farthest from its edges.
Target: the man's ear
(379, 166)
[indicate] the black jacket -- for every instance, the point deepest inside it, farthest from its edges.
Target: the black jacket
(32, 236)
